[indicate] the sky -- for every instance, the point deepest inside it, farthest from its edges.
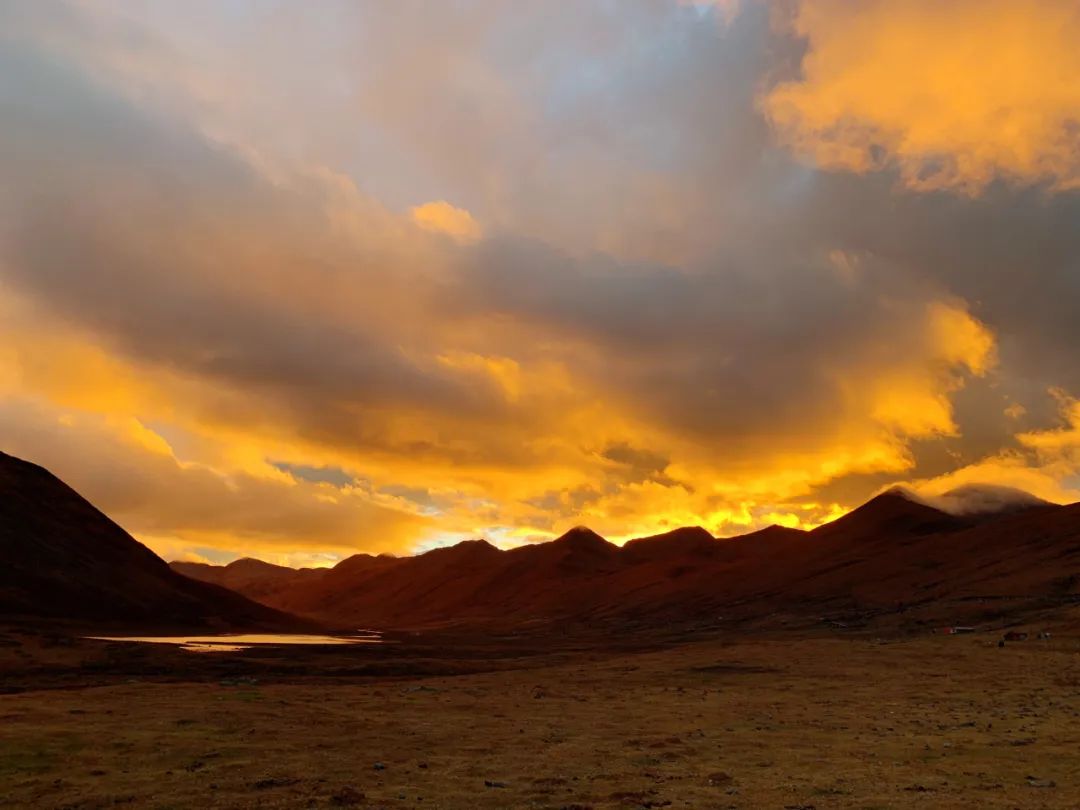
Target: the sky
(297, 281)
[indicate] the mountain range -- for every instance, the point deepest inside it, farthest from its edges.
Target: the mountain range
(896, 558)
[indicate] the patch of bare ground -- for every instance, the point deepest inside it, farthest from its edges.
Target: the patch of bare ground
(935, 722)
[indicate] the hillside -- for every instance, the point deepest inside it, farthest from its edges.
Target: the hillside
(256, 579)
(63, 560)
(894, 554)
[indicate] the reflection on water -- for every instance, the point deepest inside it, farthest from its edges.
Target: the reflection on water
(234, 643)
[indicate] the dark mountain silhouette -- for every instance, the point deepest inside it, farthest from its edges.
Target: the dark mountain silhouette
(891, 515)
(468, 581)
(770, 541)
(64, 560)
(892, 553)
(688, 541)
(254, 578)
(61, 559)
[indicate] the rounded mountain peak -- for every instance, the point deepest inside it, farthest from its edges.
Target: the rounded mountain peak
(583, 538)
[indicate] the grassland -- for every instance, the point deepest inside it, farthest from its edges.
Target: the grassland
(935, 722)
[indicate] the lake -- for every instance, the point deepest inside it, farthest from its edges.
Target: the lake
(243, 641)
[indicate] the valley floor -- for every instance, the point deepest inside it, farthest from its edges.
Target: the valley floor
(936, 722)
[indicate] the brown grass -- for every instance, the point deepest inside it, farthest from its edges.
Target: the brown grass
(825, 723)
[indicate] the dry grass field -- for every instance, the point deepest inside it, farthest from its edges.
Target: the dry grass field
(935, 722)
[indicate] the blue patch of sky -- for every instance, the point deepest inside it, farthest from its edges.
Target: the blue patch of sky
(585, 92)
(316, 475)
(422, 498)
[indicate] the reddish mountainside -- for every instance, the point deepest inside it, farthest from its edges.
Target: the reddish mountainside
(254, 578)
(892, 515)
(62, 559)
(689, 541)
(893, 552)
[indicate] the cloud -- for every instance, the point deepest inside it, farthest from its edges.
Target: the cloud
(131, 473)
(981, 499)
(1042, 464)
(442, 217)
(951, 95)
(664, 320)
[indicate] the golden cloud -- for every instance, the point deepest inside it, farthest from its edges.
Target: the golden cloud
(184, 474)
(954, 95)
(1046, 463)
(442, 217)
(256, 358)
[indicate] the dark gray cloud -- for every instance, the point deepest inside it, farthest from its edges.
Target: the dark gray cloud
(179, 253)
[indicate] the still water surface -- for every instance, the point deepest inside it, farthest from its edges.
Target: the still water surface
(232, 643)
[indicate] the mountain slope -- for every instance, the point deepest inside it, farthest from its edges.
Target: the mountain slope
(890, 554)
(688, 541)
(62, 559)
(893, 515)
(255, 579)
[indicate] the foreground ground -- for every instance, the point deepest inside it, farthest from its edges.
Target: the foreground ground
(935, 722)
